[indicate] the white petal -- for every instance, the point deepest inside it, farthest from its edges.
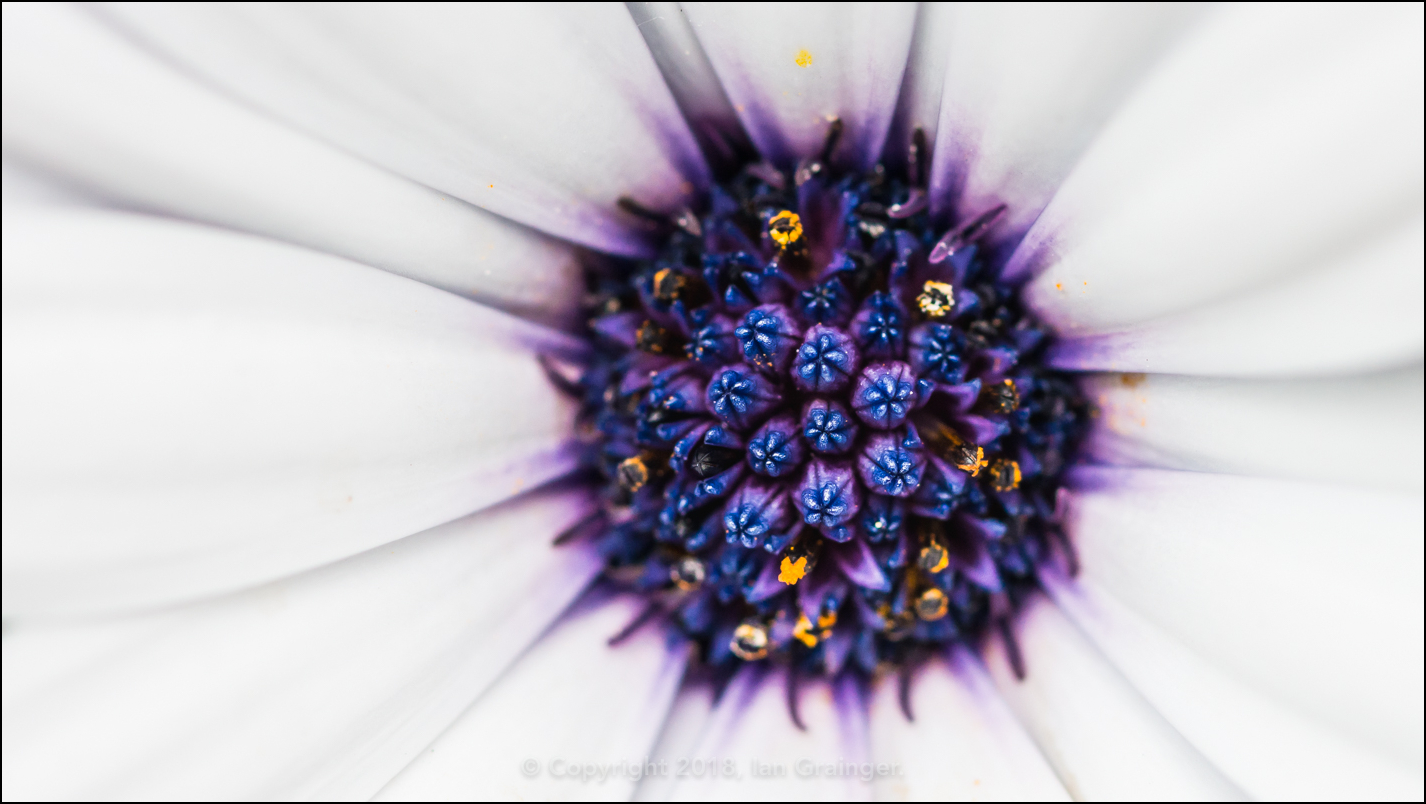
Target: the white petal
(91, 106)
(1271, 752)
(542, 114)
(581, 713)
(752, 750)
(1362, 311)
(26, 186)
(919, 103)
(1105, 741)
(690, 77)
(1309, 593)
(1273, 137)
(787, 67)
(683, 729)
(320, 686)
(1026, 88)
(1363, 431)
(965, 744)
(188, 411)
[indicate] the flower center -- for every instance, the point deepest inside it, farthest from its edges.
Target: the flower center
(824, 430)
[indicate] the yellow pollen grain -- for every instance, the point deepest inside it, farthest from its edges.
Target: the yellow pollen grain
(827, 619)
(936, 299)
(944, 560)
(802, 632)
(632, 473)
(792, 571)
(932, 604)
(785, 228)
(803, 58)
(749, 642)
(1005, 475)
(980, 462)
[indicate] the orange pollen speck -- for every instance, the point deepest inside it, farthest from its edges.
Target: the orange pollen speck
(792, 571)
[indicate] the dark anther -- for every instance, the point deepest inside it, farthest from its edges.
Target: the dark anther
(633, 474)
(932, 604)
(785, 229)
(749, 642)
(1012, 649)
(948, 444)
(1004, 475)
(917, 158)
(981, 335)
(654, 339)
(668, 284)
(687, 573)
(967, 458)
(792, 709)
(934, 557)
(936, 299)
(650, 612)
(1000, 397)
(707, 460)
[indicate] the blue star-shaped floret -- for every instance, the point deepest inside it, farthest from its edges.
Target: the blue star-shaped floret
(935, 352)
(828, 428)
(880, 327)
(885, 394)
(825, 361)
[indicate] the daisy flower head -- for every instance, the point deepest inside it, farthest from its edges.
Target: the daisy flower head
(695, 400)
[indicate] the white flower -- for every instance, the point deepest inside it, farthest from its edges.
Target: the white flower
(261, 531)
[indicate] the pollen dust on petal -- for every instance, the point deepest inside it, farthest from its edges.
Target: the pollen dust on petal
(803, 58)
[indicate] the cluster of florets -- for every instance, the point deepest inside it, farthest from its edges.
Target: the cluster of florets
(823, 429)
